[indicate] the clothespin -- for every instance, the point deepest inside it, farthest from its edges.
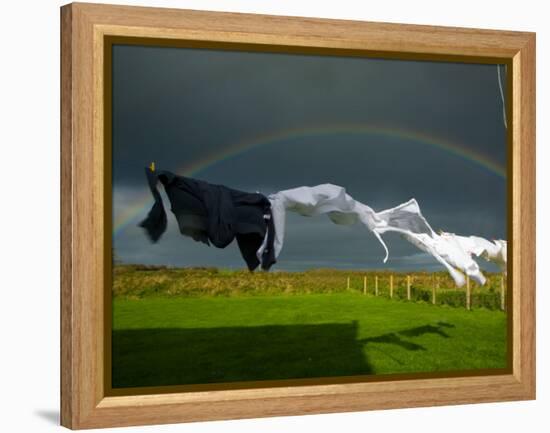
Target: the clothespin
(152, 166)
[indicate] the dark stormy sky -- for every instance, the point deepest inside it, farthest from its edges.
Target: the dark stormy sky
(177, 106)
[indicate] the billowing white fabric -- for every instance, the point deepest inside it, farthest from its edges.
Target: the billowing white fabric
(321, 199)
(495, 251)
(405, 219)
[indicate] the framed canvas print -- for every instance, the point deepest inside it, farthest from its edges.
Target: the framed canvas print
(266, 215)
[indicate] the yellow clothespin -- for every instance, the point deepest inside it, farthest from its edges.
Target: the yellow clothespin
(152, 166)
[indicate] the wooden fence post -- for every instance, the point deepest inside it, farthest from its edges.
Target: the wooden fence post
(434, 286)
(348, 284)
(376, 285)
(391, 286)
(364, 285)
(467, 292)
(502, 291)
(408, 287)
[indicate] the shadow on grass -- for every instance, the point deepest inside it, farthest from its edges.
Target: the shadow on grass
(428, 329)
(172, 356)
(176, 356)
(395, 339)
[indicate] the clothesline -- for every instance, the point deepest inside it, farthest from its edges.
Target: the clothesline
(453, 252)
(217, 214)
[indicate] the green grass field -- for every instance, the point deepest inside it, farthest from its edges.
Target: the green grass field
(163, 340)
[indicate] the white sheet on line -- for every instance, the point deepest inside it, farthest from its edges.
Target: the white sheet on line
(405, 219)
(493, 251)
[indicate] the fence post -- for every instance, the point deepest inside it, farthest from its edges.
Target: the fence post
(502, 291)
(364, 285)
(348, 284)
(376, 285)
(408, 287)
(391, 286)
(434, 285)
(467, 292)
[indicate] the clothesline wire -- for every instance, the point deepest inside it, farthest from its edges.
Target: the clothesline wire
(502, 96)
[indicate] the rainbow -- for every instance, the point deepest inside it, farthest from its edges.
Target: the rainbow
(143, 203)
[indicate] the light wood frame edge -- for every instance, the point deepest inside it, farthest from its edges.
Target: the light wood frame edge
(83, 404)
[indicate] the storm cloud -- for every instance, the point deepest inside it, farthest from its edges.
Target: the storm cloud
(380, 128)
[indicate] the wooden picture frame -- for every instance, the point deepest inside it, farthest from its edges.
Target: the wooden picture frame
(85, 214)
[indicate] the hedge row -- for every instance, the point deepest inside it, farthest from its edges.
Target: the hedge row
(139, 281)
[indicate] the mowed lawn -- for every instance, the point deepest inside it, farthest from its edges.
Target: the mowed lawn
(173, 341)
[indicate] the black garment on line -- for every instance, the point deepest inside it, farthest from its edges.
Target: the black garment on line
(214, 214)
